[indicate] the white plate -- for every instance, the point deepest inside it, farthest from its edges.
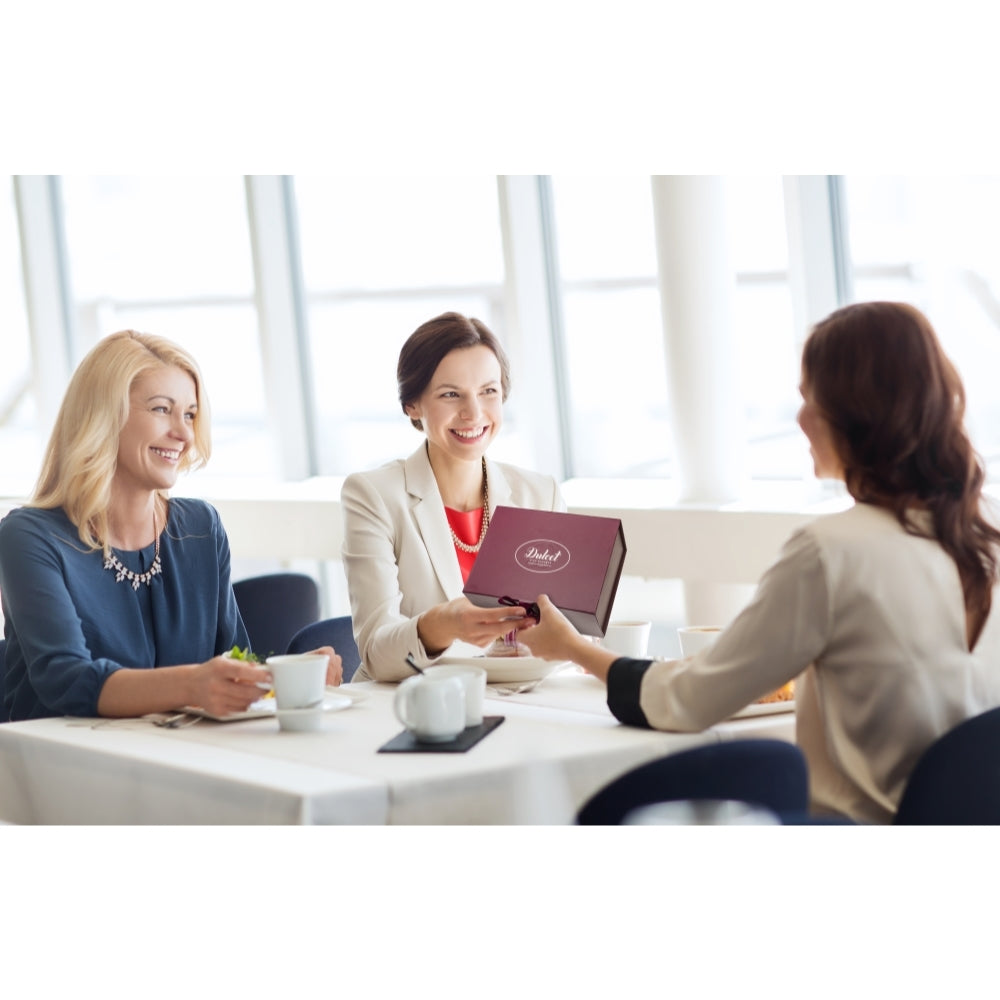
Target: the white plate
(266, 707)
(768, 708)
(507, 669)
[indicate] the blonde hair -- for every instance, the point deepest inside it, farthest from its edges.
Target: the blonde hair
(82, 453)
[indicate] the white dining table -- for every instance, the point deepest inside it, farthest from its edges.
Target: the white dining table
(557, 745)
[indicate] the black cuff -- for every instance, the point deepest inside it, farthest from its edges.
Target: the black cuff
(624, 685)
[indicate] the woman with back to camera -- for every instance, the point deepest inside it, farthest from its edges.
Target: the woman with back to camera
(103, 574)
(412, 528)
(885, 613)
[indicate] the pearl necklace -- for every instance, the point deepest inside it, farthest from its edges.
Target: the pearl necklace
(485, 522)
(136, 579)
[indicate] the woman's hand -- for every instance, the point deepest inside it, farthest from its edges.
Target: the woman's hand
(554, 638)
(334, 669)
(223, 685)
(460, 619)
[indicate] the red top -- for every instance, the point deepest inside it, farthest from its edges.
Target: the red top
(467, 524)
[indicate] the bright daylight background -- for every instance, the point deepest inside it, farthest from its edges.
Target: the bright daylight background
(379, 255)
(374, 256)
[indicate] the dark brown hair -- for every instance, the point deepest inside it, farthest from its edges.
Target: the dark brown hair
(430, 342)
(897, 407)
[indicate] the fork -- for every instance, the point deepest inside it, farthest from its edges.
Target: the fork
(178, 721)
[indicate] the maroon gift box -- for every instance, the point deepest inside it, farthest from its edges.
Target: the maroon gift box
(574, 558)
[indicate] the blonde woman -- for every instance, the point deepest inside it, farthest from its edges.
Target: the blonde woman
(104, 576)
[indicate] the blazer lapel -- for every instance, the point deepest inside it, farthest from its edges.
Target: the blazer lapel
(429, 517)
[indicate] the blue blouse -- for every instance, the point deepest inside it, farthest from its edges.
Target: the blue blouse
(70, 624)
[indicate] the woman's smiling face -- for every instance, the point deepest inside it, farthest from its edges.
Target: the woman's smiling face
(462, 407)
(160, 428)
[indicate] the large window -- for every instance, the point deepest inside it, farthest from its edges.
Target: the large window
(931, 241)
(380, 255)
(171, 256)
(616, 373)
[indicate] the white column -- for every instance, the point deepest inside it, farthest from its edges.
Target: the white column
(46, 293)
(281, 308)
(697, 283)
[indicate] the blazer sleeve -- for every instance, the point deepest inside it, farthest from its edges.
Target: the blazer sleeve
(777, 636)
(383, 633)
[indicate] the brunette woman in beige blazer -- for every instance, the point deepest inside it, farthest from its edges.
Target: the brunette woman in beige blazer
(412, 528)
(886, 615)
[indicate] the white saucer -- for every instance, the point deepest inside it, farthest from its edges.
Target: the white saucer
(507, 669)
(331, 703)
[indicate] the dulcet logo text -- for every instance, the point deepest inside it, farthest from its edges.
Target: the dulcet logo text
(542, 555)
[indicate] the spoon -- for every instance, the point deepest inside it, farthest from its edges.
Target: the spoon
(409, 660)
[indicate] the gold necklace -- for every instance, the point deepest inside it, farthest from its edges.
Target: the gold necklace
(485, 522)
(136, 579)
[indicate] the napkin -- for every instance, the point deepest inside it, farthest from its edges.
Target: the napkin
(406, 742)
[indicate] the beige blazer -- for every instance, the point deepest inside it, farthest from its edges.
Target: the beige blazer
(871, 620)
(400, 558)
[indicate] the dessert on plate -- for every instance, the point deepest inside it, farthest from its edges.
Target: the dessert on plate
(785, 693)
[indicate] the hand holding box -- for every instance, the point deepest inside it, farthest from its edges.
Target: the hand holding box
(576, 559)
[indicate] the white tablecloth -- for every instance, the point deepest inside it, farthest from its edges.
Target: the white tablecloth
(557, 745)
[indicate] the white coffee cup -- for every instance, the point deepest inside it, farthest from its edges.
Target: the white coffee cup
(432, 708)
(628, 638)
(299, 686)
(694, 638)
(474, 681)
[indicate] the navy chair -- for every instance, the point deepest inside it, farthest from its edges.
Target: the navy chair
(336, 632)
(956, 782)
(3, 678)
(767, 773)
(274, 607)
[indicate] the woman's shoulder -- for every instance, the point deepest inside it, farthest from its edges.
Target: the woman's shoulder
(386, 481)
(859, 538)
(36, 520)
(191, 515)
(860, 519)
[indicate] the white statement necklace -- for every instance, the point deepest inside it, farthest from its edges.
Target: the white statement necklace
(464, 546)
(136, 579)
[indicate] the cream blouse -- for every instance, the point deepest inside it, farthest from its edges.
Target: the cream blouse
(871, 622)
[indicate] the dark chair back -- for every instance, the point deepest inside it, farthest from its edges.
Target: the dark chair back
(3, 680)
(957, 779)
(336, 632)
(274, 607)
(768, 773)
